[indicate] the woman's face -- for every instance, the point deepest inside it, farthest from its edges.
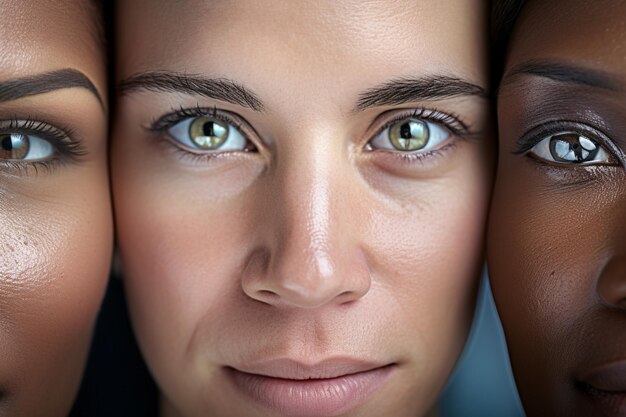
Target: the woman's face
(300, 193)
(55, 215)
(557, 238)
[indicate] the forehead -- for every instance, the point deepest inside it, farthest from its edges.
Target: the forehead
(41, 35)
(592, 34)
(327, 37)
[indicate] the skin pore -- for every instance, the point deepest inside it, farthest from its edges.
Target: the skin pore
(557, 236)
(55, 213)
(305, 245)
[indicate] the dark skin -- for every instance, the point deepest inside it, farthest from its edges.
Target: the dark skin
(557, 235)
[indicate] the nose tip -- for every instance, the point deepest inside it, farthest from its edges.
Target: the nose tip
(612, 283)
(303, 282)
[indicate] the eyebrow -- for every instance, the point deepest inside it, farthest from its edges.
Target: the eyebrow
(406, 90)
(221, 89)
(564, 73)
(46, 82)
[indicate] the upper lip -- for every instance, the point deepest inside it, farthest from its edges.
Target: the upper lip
(609, 377)
(297, 370)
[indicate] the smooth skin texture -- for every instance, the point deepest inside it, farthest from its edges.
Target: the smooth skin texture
(557, 236)
(55, 212)
(315, 243)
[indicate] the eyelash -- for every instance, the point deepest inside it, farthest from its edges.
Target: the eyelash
(450, 121)
(66, 149)
(532, 137)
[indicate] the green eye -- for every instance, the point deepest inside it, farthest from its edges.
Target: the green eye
(208, 133)
(409, 135)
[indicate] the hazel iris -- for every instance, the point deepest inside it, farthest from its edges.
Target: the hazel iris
(208, 133)
(409, 135)
(14, 146)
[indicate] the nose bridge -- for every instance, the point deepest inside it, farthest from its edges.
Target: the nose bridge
(303, 262)
(312, 256)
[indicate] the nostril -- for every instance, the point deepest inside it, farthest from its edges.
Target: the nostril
(266, 297)
(612, 283)
(347, 297)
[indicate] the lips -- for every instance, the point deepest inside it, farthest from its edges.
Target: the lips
(606, 385)
(292, 388)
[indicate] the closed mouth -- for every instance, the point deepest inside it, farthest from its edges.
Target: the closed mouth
(324, 390)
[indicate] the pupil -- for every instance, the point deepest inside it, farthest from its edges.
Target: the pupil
(405, 131)
(208, 129)
(7, 143)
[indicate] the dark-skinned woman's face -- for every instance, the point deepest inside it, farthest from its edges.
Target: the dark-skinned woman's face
(557, 238)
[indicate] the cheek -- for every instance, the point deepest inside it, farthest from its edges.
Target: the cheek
(547, 244)
(426, 255)
(56, 251)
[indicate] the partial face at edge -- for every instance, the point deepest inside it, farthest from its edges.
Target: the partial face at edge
(557, 236)
(55, 215)
(322, 225)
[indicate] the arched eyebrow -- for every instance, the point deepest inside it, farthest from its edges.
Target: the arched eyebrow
(221, 89)
(46, 82)
(428, 88)
(565, 73)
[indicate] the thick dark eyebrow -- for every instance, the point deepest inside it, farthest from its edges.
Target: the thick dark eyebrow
(564, 73)
(171, 82)
(407, 90)
(46, 82)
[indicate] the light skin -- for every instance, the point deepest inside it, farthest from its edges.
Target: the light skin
(556, 244)
(55, 213)
(310, 239)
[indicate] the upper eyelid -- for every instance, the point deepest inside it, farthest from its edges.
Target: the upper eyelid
(539, 132)
(176, 116)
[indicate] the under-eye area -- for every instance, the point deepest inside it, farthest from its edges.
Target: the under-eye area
(29, 145)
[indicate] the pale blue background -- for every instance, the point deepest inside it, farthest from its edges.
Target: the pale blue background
(482, 384)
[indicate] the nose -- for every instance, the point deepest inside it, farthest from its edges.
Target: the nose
(312, 256)
(612, 282)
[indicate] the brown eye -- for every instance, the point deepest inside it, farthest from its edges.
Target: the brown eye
(14, 146)
(571, 148)
(208, 133)
(409, 135)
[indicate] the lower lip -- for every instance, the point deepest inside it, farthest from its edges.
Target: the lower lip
(606, 385)
(313, 397)
(610, 403)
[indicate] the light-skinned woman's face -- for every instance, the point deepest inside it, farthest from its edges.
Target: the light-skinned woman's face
(557, 239)
(300, 192)
(55, 215)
